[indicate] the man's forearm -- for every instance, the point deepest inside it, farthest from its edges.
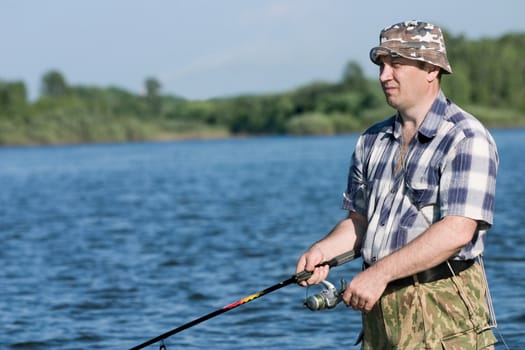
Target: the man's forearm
(441, 241)
(345, 236)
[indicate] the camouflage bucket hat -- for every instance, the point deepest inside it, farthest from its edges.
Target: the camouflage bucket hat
(415, 40)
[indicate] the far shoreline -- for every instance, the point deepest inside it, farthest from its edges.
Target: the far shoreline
(207, 136)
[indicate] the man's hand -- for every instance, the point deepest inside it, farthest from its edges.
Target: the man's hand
(308, 262)
(365, 289)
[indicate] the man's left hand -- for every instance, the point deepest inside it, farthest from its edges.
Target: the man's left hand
(365, 289)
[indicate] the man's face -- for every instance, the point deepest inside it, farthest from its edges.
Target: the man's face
(404, 81)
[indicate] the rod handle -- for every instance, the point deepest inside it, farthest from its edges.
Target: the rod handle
(336, 261)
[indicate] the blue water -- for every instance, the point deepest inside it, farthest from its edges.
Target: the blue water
(107, 246)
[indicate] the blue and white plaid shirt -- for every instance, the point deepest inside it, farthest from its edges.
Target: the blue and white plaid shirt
(449, 169)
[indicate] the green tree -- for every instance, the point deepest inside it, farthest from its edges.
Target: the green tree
(13, 98)
(458, 86)
(153, 98)
(307, 98)
(355, 82)
(54, 84)
(354, 78)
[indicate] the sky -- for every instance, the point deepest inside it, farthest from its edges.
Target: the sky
(200, 49)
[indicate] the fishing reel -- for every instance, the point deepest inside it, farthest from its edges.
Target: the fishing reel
(327, 298)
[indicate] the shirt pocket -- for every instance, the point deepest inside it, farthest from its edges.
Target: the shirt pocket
(423, 195)
(425, 210)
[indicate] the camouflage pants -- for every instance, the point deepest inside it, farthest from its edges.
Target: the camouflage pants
(445, 314)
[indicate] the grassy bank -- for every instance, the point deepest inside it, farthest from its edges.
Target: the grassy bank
(57, 129)
(54, 131)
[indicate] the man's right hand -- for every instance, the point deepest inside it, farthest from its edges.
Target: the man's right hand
(308, 262)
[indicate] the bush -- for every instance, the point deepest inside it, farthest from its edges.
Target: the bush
(345, 123)
(310, 124)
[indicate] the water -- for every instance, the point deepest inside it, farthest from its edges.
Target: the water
(107, 246)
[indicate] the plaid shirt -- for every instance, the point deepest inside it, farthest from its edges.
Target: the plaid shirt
(449, 169)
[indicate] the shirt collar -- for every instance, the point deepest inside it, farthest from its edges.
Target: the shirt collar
(435, 116)
(431, 123)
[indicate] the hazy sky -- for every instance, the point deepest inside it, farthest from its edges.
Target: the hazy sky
(206, 48)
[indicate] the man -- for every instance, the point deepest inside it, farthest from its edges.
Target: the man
(420, 198)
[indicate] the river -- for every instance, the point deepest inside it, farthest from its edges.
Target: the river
(107, 246)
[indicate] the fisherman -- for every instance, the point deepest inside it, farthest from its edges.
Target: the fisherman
(420, 198)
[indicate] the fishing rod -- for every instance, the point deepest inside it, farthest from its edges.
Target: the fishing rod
(298, 277)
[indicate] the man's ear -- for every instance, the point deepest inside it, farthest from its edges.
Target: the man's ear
(432, 72)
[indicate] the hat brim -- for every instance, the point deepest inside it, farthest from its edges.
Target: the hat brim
(379, 51)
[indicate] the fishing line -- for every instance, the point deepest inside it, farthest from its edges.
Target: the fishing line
(490, 305)
(298, 277)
